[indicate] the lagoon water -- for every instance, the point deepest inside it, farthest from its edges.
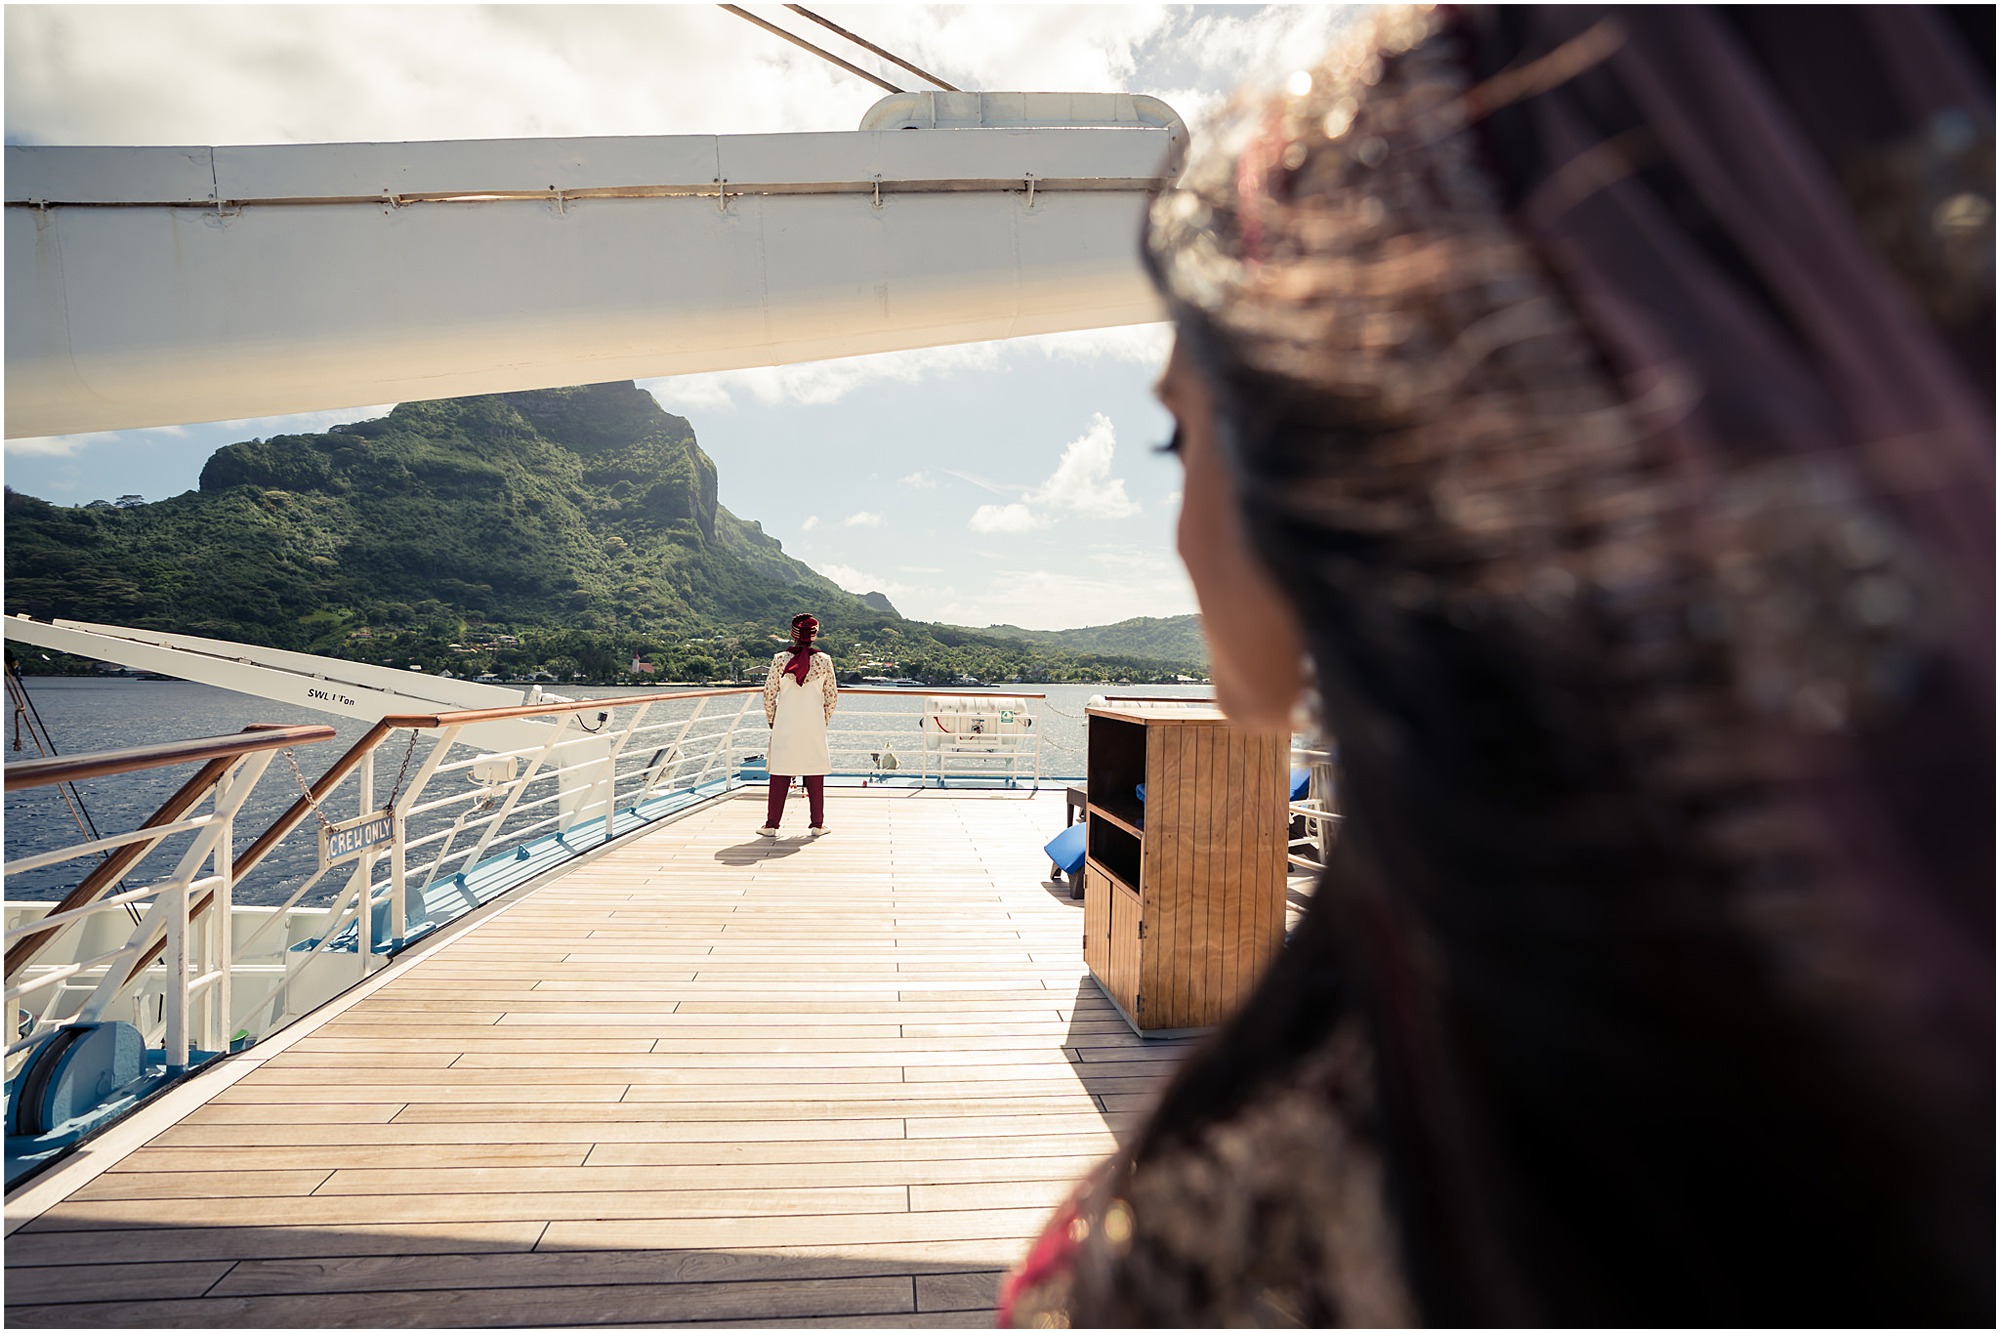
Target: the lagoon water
(83, 715)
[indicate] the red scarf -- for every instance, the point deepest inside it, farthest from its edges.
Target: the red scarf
(804, 629)
(802, 656)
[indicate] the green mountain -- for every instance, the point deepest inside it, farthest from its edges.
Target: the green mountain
(1174, 638)
(563, 530)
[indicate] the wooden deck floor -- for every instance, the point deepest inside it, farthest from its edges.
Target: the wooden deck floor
(705, 1078)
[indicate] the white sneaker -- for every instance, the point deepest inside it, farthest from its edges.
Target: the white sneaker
(767, 832)
(816, 831)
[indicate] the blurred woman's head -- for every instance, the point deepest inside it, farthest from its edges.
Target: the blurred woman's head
(805, 628)
(1255, 652)
(1514, 387)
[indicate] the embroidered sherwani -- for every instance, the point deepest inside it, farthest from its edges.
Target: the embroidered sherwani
(798, 715)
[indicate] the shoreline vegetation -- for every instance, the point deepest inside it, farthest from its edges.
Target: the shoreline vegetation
(67, 666)
(560, 536)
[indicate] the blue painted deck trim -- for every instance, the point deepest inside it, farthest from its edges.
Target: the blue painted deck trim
(29, 1153)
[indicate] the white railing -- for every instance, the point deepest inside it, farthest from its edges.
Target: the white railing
(1317, 814)
(194, 976)
(476, 802)
(937, 735)
(467, 806)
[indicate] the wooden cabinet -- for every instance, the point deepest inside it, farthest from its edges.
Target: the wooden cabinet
(1184, 888)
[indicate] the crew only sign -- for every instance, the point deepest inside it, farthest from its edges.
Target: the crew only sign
(345, 841)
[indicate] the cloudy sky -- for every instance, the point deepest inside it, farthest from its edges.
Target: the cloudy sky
(974, 484)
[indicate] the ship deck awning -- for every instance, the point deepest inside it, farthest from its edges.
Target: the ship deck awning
(704, 1076)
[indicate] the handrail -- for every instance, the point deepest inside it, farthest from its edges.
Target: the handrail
(294, 814)
(600, 780)
(31, 773)
(464, 717)
(194, 967)
(286, 822)
(114, 866)
(927, 692)
(253, 739)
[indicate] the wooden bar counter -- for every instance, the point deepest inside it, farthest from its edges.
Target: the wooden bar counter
(1184, 888)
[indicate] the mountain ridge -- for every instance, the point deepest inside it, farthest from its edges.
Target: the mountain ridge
(580, 527)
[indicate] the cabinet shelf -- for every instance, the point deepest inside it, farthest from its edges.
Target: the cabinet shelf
(1094, 864)
(1116, 849)
(1184, 895)
(1131, 818)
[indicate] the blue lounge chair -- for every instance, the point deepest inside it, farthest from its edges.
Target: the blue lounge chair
(1066, 849)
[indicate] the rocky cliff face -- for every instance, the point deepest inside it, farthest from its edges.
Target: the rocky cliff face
(580, 506)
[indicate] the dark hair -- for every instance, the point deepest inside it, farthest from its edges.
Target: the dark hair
(1647, 966)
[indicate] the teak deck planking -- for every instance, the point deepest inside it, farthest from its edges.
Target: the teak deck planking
(706, 1077)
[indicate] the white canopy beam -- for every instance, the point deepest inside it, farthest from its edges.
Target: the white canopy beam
(160, 286)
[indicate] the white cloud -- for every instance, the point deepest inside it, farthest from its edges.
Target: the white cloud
(1263, 45)
(690, 395)
(1139, 564)
(308, 423)
(816, 383)
(850, 578)
(1082, 482)
(278, 73)
(991, 487)
(812, 521)
(860, 581)
(383, 73)
(1005, 518)
(864, 519)
(920, 481)
(1101, 585)
(1134, 344)
(1046, 599)
(60, 446)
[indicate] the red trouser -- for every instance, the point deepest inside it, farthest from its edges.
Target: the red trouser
(774, 806)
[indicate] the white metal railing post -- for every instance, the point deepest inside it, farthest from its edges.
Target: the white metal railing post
(1037, 721)
(516, 788)
(618, 748)
(364, 871)
(176, 989)
(364, 910)
(336, 910)
(924, 748)
(221, 914)
(365, 801)
(399, 888)
(729, 774)
(156, 919)
(397, 919)
(727, 746)
(399, 885)
(672, 758)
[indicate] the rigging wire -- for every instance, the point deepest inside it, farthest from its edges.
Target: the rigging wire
(773, 28)
(38, 731)
(889, 56)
